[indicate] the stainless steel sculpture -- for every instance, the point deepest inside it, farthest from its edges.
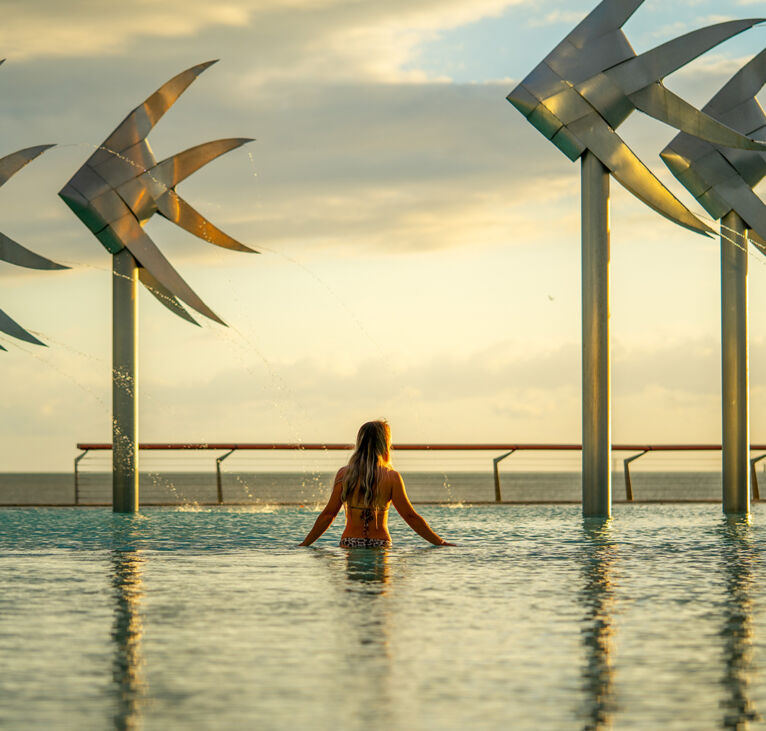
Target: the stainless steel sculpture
(580, 93)
(114, 193)
(722, 180)
(15, 253)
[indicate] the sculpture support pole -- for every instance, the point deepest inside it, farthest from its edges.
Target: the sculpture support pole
(735, 395)
(596, 376)
(124, 383)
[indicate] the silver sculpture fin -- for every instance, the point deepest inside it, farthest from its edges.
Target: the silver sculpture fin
(137, 125)
(15, 253)
(742, 88)
(19, 255)
(719, 177)
(663, 60)
(173, 170)
(121, 186)
(163, 296)
(180, 166)
(593, 80)
(10, 327)
(634, 176)
(11, 164)
(662, 104)
(607, 17)
(177, 210)
(757, 241)
(151, 258)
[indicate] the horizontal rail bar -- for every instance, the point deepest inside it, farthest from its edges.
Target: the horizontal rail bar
(315, 446)
(318, 446)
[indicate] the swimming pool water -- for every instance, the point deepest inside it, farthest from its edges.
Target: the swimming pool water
(214, 619)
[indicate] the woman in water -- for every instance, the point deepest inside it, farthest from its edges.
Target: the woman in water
(367, 486)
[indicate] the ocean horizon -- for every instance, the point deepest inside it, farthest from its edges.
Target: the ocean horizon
(313, 488)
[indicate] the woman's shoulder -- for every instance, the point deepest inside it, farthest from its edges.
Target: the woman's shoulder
(390, 474)
(339, 474)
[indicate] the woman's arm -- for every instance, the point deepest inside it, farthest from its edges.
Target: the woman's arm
(325, 518)
(411, 516)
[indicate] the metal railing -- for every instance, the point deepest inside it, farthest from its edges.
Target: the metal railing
(506, 449)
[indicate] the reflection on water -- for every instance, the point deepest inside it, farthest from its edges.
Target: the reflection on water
(739, 557)
(127, 629)
(369, 567)
(597, 597)
(367, 628)
(211, 619)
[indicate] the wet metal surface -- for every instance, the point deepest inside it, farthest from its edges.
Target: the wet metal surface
(722, 181)
(596, 365)
(593, 80)
(720, 178)
(122, 185)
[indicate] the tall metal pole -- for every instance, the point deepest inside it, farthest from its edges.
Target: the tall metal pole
(124, 383)
(735, 395)
(596, 376)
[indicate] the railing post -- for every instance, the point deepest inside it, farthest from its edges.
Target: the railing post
(77, 476)
(628, 484)
(753, 477)
(495, 462)
(218, 482)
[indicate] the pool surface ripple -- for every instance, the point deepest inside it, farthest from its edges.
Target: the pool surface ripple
(203, 619)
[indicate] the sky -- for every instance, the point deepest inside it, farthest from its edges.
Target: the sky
(419, 240)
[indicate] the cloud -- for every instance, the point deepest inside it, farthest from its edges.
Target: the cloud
(338, 164)
(53, 29)
(504, 378)
(556, 17)
(394, 167)
(359, 154)
(296, 38)
(689, 366)
(678, 28)
(662, 391)
(498, 391)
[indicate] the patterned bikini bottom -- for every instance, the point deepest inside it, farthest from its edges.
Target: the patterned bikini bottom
(364, 543)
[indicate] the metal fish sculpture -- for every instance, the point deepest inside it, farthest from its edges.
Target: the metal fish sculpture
(122, 185)
(15, 253)
(593, 80)
(719, 177)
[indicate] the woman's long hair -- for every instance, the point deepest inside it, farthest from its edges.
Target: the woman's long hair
(361, 477)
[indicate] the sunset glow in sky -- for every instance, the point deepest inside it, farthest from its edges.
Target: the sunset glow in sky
(420, 240)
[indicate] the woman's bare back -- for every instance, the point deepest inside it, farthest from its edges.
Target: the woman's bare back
(369, 526)
(370, 522)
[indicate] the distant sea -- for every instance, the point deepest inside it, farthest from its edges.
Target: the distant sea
(311, 489)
